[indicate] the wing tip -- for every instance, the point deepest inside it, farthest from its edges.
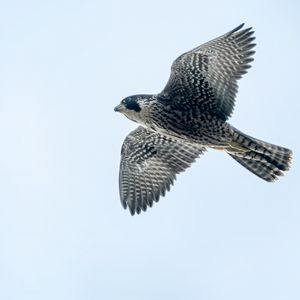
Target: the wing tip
(131, 209)
(236, 29)
(239, 27)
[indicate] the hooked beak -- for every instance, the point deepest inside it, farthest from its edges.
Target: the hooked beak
(118, 108)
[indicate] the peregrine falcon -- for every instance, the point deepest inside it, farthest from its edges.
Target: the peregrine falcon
(189, 116)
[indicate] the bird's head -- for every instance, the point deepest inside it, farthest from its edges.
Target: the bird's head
(134, 107)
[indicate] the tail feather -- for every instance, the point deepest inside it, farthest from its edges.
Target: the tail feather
(265, 160)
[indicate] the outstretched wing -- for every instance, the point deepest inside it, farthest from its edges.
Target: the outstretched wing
(149, 164)
(206, 77)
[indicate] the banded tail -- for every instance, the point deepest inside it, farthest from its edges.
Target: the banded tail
(265, 160)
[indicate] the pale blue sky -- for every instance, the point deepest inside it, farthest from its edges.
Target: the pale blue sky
(221, 233)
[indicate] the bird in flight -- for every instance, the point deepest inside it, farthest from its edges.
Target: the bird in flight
(190, 115)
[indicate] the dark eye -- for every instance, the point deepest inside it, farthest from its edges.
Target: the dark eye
(133, 105)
